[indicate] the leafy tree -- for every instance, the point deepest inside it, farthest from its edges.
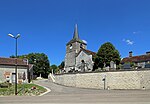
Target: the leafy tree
(105, 54)
(40, 62)
(54, 68)
(12, 56)
(62, 65)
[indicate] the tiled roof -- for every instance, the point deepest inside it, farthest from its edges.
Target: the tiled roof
(12, 61)
(88, 52)
(141, 58)
(75, 40)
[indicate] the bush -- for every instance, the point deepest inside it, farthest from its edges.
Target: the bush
(5, 85)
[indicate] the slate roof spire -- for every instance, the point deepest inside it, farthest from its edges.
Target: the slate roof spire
(76, 35)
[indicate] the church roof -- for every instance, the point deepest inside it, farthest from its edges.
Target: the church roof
(87, 52)
(76, 37)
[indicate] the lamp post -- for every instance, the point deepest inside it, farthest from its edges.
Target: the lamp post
(15, 37)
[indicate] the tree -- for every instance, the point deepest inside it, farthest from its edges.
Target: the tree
(40, 63)
(105, 54)
(54, 68)
(62, 65)
(12, 56)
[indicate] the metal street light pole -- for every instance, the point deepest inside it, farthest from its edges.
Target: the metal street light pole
(18, 35)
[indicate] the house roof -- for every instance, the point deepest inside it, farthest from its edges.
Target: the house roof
(141, 58)
(87, 52)
(76, 37)
(12, 61)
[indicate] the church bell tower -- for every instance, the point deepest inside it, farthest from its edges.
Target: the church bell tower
(73, 47)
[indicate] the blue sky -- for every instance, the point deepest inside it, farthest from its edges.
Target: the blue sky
(47, 25)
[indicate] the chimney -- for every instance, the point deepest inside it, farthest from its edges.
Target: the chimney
(130, 54)
(148, 53)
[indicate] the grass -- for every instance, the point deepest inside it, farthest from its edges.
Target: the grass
(23, 89)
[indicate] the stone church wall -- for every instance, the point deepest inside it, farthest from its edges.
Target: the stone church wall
(113, 80)
(69, 61)
(87, 59)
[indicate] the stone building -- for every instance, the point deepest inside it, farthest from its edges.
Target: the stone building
(141, 61)
(7, 70)
(78, 58)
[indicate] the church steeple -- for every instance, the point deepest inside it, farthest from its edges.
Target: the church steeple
(76, 36)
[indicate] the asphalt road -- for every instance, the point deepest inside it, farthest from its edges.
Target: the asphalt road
(61, 94)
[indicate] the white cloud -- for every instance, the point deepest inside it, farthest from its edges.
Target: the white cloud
(129, 42)
(136, 32)
(84, 41)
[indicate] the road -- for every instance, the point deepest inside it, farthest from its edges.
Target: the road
(61, 94)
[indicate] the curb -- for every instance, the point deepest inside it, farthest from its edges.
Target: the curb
(48, 90)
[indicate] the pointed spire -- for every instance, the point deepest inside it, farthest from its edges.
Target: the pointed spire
(76, 36)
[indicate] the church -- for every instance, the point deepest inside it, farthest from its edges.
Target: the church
(78, 58)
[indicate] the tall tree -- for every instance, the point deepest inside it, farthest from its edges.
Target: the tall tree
(105, 54)
(40, 62)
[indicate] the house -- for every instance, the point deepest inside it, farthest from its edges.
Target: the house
(7, 70)
(77, 57)
(141, 61)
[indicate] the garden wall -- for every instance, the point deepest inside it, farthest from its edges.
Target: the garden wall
(139, 79)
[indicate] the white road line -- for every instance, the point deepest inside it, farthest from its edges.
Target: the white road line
(48, 90)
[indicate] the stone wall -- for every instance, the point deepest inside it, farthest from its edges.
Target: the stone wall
(87, 59)
(113, 80)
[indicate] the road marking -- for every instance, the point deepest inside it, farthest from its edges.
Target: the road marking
(48, 90)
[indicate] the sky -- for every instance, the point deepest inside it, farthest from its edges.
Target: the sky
(46, 26)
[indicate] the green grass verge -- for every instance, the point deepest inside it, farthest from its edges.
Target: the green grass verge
(23, 89)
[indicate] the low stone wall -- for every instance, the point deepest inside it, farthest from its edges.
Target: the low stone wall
(113, 80)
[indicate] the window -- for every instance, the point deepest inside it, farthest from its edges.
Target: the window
(81, 45)
(70, 46)
(19, 75)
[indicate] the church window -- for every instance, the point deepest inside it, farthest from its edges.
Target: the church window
(81, 45)
(70, 46)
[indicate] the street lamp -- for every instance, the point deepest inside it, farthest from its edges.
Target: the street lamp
(17, 36)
